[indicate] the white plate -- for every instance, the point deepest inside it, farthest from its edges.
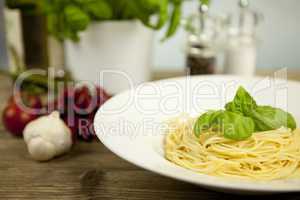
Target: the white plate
(131, 123)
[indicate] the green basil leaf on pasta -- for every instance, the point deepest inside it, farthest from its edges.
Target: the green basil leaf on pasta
(232, 125)
(206, 120)
(269, 118)
(242, 102)
(236, 126)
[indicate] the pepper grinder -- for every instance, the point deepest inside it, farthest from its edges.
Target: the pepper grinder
(201, 57)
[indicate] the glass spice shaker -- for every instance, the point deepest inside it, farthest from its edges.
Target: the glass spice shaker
(201, 56)
(240, 53)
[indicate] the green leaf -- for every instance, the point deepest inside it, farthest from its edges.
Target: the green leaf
(233, 125)
(242, 117)
(66, 18)
(134, 9)
(175, 20)
(76, 18)
(265, 117)
(206, 121)
(162, 14)
(242, 103)
(236, 126)
(269, 118)
(98, 9)
(150, 6)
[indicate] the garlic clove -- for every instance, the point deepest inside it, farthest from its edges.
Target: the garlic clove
(41, 150)
(47, 137)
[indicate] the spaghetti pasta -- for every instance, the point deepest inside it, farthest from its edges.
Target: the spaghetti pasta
(268, 155)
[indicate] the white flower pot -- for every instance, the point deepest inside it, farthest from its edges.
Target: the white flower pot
(115, 54)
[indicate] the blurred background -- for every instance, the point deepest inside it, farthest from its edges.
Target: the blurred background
(151, 39)
(278, 32)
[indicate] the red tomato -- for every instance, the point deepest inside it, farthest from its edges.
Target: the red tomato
(15, 118)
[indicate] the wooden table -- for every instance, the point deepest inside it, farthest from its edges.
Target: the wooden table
(89, 171)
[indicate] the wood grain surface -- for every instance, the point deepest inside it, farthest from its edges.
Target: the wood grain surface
(89, 171)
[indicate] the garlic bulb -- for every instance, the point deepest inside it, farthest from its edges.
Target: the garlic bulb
(47, 137)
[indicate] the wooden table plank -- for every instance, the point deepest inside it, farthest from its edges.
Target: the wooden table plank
(89, 171)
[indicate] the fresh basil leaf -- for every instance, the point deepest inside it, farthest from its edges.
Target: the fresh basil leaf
(134, 8)
(269, 118)
(151, 6)
(242, 103)
(206, 120)
(236, 126)
(163, 16)
(242, 117)
(77, 19)
(175, 20)
(67, 18)
(232, 125)
(98, 9)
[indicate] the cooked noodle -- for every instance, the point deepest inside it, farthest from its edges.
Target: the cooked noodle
(268, 155)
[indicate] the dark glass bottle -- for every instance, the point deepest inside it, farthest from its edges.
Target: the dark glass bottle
(200, 62)
(201, 55)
